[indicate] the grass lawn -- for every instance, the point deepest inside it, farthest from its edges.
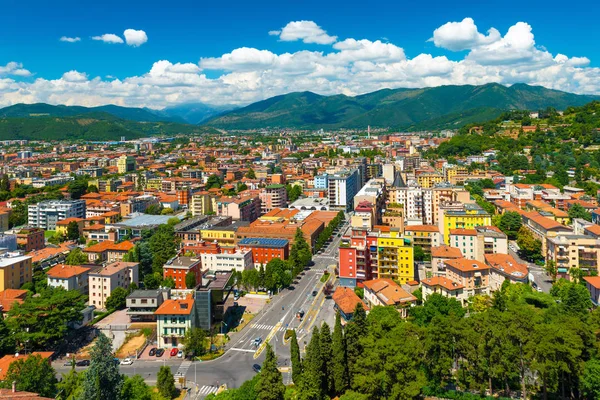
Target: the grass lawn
(49, 234)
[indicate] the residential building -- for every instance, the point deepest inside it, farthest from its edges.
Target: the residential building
(273, 196)
(245, 208)
(373, 192)
(357, 257)
(203, 204)
(46, 214)
(342, 187)
(439, 256)
(425, 236)
(15, 270)
(504, 266)
(69, 277)
(573, 251)
(543, 228)
(395, 257)
(239, 260)
(264, 250)
(468, 218)
(30, 239)
(108, 251)
(142, 304)
(103, 281)
(393, 216)
(179, 267)
(126, 164)
(592, 283)
(9, 297)
(173, 318)
(474, 244)
(386, 292)
(62, 227)
(346, 301)
(443, 286)
(472, 274)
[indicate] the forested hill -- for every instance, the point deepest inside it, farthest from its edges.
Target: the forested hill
(416, 109)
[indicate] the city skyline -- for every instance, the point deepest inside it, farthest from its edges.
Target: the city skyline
(234, 54)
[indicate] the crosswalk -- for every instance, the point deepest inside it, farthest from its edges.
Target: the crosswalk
(206, 390)
(183, 367)
(267, 327)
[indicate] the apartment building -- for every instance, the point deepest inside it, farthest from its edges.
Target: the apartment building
(443, 286)
(425, 236)
(373, 192)
(179, 267)
(15, 270)
(470, 216)
(386, 292)
(474, 244)
(592, 283)
(273, 196)
(265, 249)
(126, 164)
(142, 304)
(394, 216)
(69, 277)
(395, 257)
(108, 251)
(573, 251)
(342, 187)
(239, 260)
(357, 257)
(245, 208)
(173, 318)
(543, 228)
(417, 203)
(30, 239)
(103, 281)
(46, 214)
(504, 266)
(472, 274)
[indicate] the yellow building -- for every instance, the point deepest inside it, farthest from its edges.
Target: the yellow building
(15, 270)
(226, 238)
(126, 164)
(428, 180)
(62, 227)
(395, 257)
(203, 204)
(154, 183)
(467, 218)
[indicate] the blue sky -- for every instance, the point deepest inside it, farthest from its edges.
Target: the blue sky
(33, 61)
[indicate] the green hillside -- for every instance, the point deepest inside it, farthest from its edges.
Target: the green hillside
(427, 108)
(96, 126)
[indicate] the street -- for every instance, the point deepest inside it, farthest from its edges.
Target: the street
(235, 366)
(540, 277)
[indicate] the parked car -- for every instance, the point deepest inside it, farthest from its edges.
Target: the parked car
(256, 368)
(152, 352)
(256, 342)
(69, 363)
(160, 352)
(83, 363)
(180, 354)
(126, 361)
(173, 351)
(314, 293)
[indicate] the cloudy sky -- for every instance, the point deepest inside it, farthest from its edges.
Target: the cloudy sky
(154, 54)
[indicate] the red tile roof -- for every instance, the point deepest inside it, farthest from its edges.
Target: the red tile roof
(446, 283)
(63, 271)
(593, 280)
(465, 265)
(176, 307)
(346, 300)
(445, 252)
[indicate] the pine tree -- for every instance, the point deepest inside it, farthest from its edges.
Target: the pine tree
(360, 319)
(165, 382)
(355, 331)
(339, 367)
(270, 383)
(326, 355)
(295, 358)
(312, 375)
(102, 379)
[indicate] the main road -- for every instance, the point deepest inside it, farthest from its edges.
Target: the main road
(235, 366)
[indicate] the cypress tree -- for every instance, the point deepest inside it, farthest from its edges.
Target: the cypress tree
(295, 358)
(270, 383)
(360, 319)
(339, 366)
(310, 384)
(102, 379)
(326, 356)
(355, 331)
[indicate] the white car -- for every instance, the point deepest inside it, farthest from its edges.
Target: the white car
(180, 354)
(126, 361)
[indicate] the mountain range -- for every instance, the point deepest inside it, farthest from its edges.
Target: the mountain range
(409, 109)
(443, 107)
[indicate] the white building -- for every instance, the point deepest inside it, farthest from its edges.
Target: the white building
(417, 202)
(46, 214)
(69, 277)
(342, 188)
(238, 261)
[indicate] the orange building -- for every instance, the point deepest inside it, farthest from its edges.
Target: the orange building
(180, 267)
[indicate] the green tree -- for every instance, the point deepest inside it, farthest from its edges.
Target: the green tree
(270, 383)
(510, 222)
(250, 174)
(165, 383)
(152, 281)
(300, 254)
(530, 247)
(439, 350)
(77, 188)
(214, 181)
(134, 388)
(32, 374)
(102, 379)
(577, 211)
(436, 304)
(7, 342)
(326, 351)
(76, 257)
(339, 368)
(42, 320)
(162, 246)
(117, 299)
(18, 215)
(71, 385)
(311, 384)
(419, 254)
(295, 359)
(590, 381)
(193, 341)
(190, 280)
(73, 231)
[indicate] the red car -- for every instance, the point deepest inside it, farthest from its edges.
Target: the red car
(174, 351)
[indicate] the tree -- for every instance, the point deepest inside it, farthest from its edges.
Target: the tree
(165, 382)
(250, 174)
(270, 383)
(162, 246)
(7, 342)
(214, 181)
(152, 281)
(590, 381)
(295, 359)
(77, 188)
(530, 247)
(311, 385)
(70, 386)
(134, 388)
(42, 320)
(339, 368)
(300, 254)
(5, 183)
(32, 374)
(193, 341)
(510, 222)
(419, 254)
(102, 379)
(577, 211)
(117, 299)
(436, 304)
(18, 215)
(76, 257)
(154, 209)
(439, 350)
(73, 231)
(190, 280)
(326, 350)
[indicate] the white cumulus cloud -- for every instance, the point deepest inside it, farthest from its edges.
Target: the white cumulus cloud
(70, 39)
(307, 31)
(74, 76)
(14, 68)
(134, 37)
(462, 35)
(108, 38)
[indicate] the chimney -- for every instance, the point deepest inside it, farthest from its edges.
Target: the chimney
(14, 387)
